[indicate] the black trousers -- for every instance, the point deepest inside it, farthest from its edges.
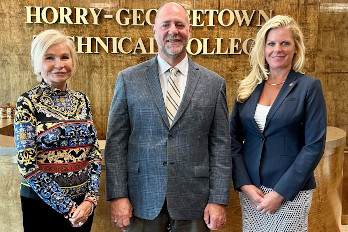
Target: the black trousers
(40, 217)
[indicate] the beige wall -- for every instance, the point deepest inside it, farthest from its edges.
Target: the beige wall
(323, 22)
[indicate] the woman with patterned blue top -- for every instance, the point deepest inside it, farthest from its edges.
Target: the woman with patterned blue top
(56, 140)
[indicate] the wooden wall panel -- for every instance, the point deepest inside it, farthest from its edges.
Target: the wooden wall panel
(331, 58)
(324, 23)
(325, 33)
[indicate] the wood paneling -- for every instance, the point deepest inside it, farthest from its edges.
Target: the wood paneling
(345, 189)
(331, 57)
(325, 33)
(11, 216)
(325, 213)
(324, 25)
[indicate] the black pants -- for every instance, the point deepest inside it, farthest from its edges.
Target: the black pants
(40, 217)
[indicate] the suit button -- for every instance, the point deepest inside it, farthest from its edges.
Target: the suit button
(262, 138)
(170, 136)
(165, 163)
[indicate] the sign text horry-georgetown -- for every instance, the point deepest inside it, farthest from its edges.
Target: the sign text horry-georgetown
(137, 18)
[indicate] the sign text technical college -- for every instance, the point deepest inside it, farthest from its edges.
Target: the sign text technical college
(140, 18)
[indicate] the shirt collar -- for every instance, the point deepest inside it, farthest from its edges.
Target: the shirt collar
(163, 66)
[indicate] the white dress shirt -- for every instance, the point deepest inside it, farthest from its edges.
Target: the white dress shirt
(164, 74)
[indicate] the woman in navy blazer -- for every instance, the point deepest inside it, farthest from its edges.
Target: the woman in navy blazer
(278, 130)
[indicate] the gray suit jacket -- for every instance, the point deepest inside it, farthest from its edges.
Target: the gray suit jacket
(147, 161)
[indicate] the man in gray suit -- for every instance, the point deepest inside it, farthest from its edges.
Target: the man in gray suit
(167, 154)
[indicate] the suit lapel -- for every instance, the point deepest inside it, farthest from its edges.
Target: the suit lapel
(252, 102)
(289, 84)
(156, 89)
(191, 83)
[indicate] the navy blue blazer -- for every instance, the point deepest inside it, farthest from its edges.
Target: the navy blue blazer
(283, 156)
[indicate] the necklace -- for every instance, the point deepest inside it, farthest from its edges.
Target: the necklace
(275, 83)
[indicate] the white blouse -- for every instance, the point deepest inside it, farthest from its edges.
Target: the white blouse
(260, 116)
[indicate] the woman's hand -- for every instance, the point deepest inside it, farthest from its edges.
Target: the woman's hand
(253, 193)
(81, 214)
(270, 203)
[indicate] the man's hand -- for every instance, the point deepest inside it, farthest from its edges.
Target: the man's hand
(121, 212)
(215, 216)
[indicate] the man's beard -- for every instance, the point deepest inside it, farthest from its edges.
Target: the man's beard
(173, 52)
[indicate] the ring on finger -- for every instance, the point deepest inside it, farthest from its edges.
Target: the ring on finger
(80, 224)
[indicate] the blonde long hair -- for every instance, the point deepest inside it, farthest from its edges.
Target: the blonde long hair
(259, 66)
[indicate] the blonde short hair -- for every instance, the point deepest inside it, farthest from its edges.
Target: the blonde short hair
(42, 42)
(259, 66)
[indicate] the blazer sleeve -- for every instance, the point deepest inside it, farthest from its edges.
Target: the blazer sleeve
(240, 174)
(306, 161)
(219, 148)
(116, 147)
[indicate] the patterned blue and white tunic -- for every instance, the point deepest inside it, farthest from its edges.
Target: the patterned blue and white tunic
(58, 152)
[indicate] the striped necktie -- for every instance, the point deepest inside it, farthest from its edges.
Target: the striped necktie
(173, 95)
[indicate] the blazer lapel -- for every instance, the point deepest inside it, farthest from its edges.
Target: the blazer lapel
(252, 102)
(191, 83)
(289, 84)
(156, 89)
